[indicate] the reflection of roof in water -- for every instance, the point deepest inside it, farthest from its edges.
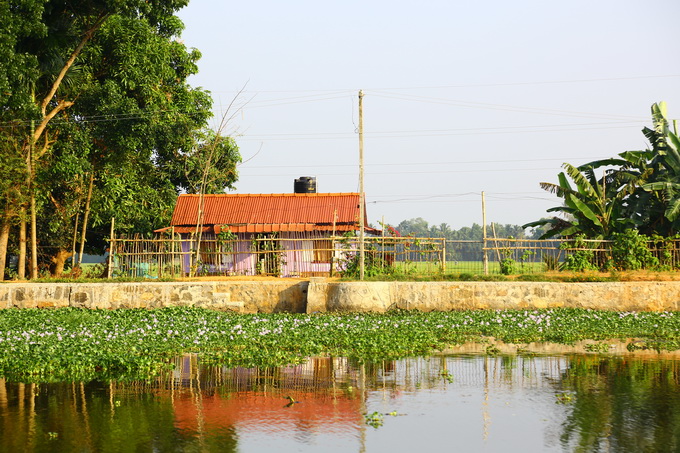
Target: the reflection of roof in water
(325, 390)
(266, 411)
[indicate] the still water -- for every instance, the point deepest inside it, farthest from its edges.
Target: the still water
(444, 403)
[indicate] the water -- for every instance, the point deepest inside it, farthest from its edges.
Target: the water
(462, 403)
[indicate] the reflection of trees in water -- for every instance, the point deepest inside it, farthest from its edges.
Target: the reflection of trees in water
(622, 404)
(67, 417)
(618, 404)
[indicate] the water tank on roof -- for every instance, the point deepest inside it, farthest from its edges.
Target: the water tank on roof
(305, 184)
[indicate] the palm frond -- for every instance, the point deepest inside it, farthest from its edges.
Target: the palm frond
(636, 158)
(612, 162)
(586, 211)
(673, 210)
(557, 189)
(583, 185)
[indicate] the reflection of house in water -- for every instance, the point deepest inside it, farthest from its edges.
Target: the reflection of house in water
(326, 390)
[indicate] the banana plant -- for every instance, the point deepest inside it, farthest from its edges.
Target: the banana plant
(637, 189)
(592, 207)
(665, 182)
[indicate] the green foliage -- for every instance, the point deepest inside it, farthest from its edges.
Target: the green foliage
(208, 167)
(581, 258)
(552, 262)
(374, 419)
(593, 207)
(507, 264)
(630, 252)
(225, 239)
(123, 112)
(596, 347)
(375, 265)
(637, 189)
(664, 248)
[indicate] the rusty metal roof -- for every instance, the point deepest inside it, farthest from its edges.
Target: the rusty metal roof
(261, 213)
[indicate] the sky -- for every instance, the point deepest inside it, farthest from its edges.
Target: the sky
(460, 97)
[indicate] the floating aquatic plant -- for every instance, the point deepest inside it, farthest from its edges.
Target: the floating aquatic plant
(80, 344)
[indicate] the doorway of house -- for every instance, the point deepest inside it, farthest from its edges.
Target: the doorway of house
(269, 253)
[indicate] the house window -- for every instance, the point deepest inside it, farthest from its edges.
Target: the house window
(323, 251)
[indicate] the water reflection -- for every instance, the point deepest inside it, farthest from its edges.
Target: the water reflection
(623, 405)
(463, 403)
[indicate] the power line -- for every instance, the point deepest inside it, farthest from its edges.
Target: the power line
(503, 107)
(463, 85)
(443, 132)
(487, 170)
(411, 164)
(274, 103)
(340, 136)
(469, 200)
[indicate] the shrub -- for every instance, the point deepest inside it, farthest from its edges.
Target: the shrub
(630, 251)
(580, 259)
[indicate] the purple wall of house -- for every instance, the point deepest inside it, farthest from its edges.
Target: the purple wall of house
(296, 259)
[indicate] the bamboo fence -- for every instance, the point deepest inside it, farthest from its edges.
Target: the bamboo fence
(302, 255)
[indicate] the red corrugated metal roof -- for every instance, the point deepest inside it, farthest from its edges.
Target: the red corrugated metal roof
(255, 213)
(265, 228)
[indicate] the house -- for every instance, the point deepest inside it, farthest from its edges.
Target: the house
(287, 234)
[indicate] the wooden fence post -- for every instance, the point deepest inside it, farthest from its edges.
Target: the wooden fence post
(112, 243)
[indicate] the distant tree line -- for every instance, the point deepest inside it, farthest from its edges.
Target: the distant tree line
(420, 228)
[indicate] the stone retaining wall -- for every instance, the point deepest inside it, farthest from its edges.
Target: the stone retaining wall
(444, 296)
(240, 296)
(321, 295)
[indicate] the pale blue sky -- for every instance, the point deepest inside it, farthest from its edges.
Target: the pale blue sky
(460, 97)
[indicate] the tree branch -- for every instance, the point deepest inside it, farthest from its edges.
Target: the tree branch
(86, 38)
(62, 105)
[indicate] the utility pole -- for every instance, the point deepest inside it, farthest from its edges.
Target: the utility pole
(485, 258)
(362, 220)
(31, 189)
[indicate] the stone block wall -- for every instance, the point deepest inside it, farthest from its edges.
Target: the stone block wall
(242, 296)
(444, 296)
(321, 295)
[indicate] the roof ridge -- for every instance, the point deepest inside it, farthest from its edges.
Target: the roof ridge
(316, 194)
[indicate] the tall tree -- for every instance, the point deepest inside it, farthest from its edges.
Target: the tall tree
(110, 104)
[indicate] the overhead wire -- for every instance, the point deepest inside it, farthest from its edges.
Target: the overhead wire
(442, 132)
(486, 170)
(463, 85)
(503, 107)
(438, 163)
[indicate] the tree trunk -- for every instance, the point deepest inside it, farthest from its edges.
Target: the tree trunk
(4, 238)
(21, 266)
(58, 261)
(34, 239)
(75, 239)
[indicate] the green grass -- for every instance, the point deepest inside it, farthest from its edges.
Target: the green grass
(76, 344)
(453, 267)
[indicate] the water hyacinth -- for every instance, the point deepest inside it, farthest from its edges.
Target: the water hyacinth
(78, 344)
